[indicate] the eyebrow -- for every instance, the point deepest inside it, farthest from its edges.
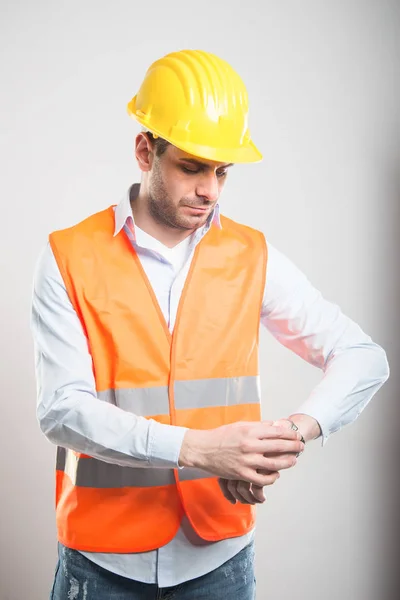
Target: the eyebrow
(199, 163)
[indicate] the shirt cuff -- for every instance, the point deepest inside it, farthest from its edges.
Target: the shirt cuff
(165, 442)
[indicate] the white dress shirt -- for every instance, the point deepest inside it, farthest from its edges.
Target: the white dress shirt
(69, 414)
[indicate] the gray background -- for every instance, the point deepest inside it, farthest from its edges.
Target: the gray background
(324, 88)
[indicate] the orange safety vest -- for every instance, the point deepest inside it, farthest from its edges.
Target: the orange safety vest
(204, 375)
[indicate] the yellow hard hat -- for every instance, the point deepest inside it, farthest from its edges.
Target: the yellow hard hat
(197, 102)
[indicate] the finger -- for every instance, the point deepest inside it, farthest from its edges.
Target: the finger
(277, 446)
(282, 423)
(273, 446)
(279, 455)
(276, 431)
(244, 489)
(277, 462)
(258, 493)
(282, 445)
(245, 492)
(239, 491)
(260, 479)
(223, 484)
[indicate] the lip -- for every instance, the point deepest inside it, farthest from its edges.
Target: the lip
(197, 208)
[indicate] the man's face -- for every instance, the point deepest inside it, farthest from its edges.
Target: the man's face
(183, 189)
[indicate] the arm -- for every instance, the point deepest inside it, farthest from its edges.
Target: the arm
(354, 367)
(68, 410)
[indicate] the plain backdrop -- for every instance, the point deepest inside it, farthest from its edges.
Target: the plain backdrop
(324, 88)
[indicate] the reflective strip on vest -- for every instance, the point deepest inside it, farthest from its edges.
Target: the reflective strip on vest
(200, 393)
(146, 402)
(90, 472)
(229, 391)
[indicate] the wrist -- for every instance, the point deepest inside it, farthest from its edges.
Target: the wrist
(287, 422)
(192, 449)
(307, 426)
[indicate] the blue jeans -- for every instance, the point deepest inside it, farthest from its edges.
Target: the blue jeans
(78, 578)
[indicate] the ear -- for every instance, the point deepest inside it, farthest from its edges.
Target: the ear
(144, 151)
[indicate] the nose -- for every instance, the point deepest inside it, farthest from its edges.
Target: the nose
(208, 187)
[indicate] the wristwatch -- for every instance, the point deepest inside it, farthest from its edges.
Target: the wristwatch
(295, 428)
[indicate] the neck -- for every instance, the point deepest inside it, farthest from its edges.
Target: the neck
(169, 236)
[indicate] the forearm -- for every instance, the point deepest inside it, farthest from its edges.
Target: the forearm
(354, 367)
(83, 423)
(68, 410)
(351, 378)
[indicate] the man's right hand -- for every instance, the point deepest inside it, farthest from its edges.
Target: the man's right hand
(240, 450)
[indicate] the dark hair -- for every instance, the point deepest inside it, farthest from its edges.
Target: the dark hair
(160, 145)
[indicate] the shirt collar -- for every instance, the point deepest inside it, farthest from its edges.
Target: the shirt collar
(123, 213)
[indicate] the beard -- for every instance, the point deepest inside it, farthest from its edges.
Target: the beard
(167, 213)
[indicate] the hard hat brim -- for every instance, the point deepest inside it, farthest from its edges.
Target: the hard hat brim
(247, 153)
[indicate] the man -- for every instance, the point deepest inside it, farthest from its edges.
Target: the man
(145, 320)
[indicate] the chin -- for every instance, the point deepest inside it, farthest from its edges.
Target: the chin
(192, 223)
(199, 221)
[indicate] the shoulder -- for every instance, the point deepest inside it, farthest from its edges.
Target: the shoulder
(248, 235)
(103, 221)
(48, 284)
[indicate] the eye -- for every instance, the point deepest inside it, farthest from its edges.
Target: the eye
(220, 174)
(186, 170)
